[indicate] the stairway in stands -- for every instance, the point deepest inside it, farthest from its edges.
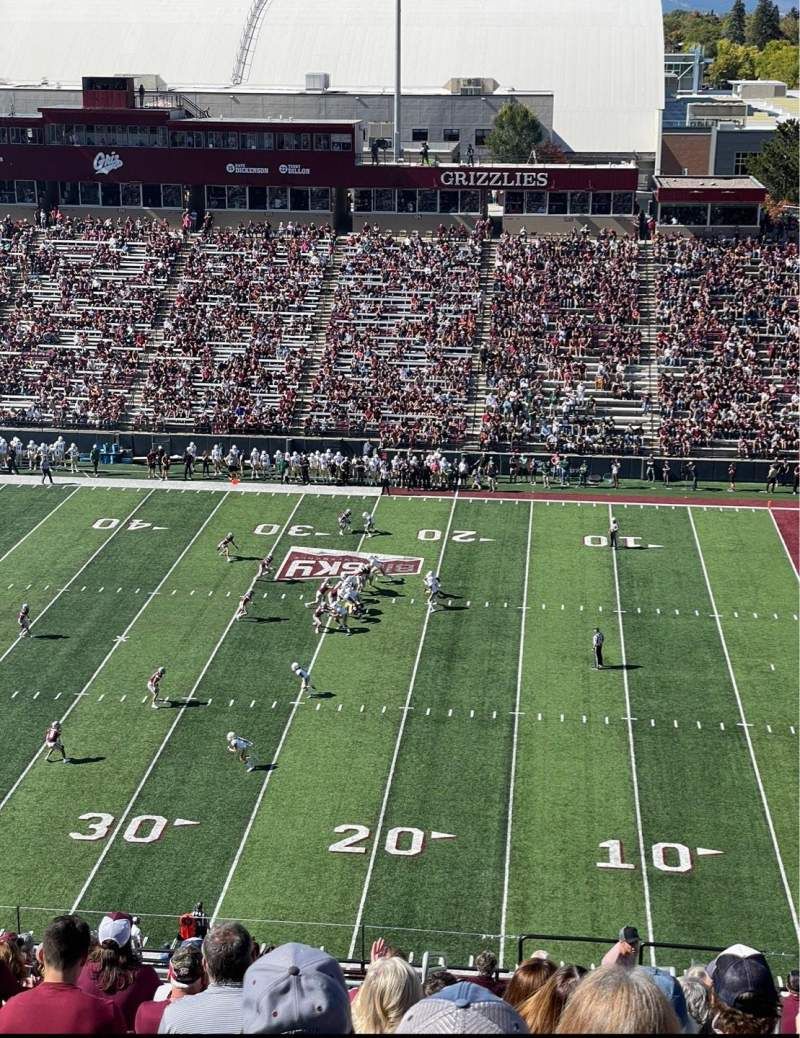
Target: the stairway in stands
(156, 338)
(319, 330)
(647, 369)
(478, 387)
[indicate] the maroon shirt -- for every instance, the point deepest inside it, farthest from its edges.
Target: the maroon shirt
(141, 989)
(9, 985)
(148, 1016)
(60, 1009)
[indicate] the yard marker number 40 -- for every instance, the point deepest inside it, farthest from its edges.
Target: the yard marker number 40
(403, 841)
(667, 857)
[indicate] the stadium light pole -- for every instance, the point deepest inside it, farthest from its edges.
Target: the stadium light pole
(397, 45)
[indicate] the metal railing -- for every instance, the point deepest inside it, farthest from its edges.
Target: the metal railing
(172, 99)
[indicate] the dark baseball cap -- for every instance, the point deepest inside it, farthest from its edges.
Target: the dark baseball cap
(295, 989)
(186, 965)
(742, 980)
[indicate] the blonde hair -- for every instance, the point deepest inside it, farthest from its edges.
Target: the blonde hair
(390, 987)
(617, 1000)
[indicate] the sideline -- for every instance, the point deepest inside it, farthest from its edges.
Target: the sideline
(787, 503)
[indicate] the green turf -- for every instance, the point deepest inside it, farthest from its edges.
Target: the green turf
(354, 756)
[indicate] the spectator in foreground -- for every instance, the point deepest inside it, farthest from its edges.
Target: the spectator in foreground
(296, 989)
(486, 965)
(114, 970)
(390, 987)
(791, 1004)
(542, 1011)
(618, 1000)
(228, 950)
(436, 981)
(9, 986)
(744, 999)
(57, 1005)
(462, 1008)
(186, 977)
(11, 954)
(528, 977)
(696, 993)
(673, 992)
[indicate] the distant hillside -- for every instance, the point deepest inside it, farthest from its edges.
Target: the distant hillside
(718, 6)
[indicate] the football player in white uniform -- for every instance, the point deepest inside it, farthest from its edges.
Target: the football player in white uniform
(24, 620)
(369, 524)
(73, 454)
(243, 748)
(223, 548)
(52, 741)
(345, 520)
(264, 567)
(432, 589)
(339, 614)
(153, 686)
(305, 678)
(375, 569)
(244, 602)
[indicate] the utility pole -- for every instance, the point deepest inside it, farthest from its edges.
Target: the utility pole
(397, 81)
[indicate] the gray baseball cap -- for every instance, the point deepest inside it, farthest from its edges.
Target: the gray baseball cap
(295, 989)
(462, 1008)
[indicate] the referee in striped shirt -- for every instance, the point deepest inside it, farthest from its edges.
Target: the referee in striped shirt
(597, 648)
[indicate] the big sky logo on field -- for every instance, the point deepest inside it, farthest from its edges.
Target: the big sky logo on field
(318, 563)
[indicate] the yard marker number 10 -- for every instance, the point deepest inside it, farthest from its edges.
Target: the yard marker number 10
(667, 857)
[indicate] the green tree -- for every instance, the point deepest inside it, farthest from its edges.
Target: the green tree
(778, 60)
(790, 25)
(515, 133)
(673, 31)
(777, 166)
(736, 23)
(765, 24)
(733, 61)
(701, 29)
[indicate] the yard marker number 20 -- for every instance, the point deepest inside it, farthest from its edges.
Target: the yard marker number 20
(403, 841)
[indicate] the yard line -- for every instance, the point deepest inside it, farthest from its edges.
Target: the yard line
(780, 538)
(117, 642)
(172, 727)
(63, 501)
(751, 751)
(512, 779)
(262, 792)
(91, 558)
(632, 751)
(401, 729)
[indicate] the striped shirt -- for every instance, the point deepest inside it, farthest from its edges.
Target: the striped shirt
(217, 1010)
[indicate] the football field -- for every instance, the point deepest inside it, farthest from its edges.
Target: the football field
(458, 778)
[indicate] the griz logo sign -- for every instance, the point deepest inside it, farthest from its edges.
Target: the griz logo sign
(318, 563)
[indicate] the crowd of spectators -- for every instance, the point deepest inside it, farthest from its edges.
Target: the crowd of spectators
(236, 339)
(79, 315)
(728, 338)
(219, 980)
(564, 330)
(398, 356)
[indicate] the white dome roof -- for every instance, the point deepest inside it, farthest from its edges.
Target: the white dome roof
(602, 59)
